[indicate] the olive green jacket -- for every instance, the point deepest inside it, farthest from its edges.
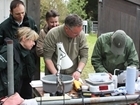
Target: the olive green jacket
(103, 60)
(76, 48)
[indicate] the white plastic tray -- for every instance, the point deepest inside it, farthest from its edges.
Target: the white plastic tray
(97, 82)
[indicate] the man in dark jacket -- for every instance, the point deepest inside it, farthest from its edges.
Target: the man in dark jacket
(8, 28)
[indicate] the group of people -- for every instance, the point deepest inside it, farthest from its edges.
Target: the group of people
(112, 50)
(28, 44)
(23, 31)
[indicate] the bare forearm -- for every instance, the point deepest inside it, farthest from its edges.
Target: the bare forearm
(81, 65)
(50, 66)
(78, 71)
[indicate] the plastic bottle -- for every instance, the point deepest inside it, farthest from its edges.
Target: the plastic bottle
(115, 81)
(130, 79)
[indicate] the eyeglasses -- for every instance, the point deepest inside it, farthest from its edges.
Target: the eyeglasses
(75, 34)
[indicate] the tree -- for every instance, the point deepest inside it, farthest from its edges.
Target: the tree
(77, 7)
(47, 5)
(91, 9)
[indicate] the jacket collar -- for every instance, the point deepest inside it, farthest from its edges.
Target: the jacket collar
(46, 29)
(24, 52)
(15, 24)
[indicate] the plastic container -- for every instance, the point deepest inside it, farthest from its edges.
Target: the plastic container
(115, 81)
(50, 84)
(84, 88)
(130, 79)
(98, 77)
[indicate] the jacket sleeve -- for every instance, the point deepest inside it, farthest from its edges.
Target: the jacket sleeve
(32, 24)
(3, 58)
(40, 42)
(132, 55)
(96, 58)
(1, 35)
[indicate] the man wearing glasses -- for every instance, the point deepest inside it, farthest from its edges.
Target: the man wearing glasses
(75, 45)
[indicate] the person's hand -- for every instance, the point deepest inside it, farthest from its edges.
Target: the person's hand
(76, 75)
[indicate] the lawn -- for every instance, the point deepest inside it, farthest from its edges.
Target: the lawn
(91, 39)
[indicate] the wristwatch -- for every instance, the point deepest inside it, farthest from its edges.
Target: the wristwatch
(79, 70)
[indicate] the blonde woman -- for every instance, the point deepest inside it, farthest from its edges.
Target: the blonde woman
(27, 37)
(24, 67)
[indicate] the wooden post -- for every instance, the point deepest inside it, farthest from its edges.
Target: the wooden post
(33, 10)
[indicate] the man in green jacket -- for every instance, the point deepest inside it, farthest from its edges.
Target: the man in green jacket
(114, 50)
(8, 28)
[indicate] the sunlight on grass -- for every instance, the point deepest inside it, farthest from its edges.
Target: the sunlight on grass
(42, 65)
(91, 39)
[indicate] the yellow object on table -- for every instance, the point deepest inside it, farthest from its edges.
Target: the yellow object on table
(77, 85)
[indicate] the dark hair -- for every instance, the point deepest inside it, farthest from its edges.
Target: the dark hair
(15, 3)
(73, 20)
(51, 13)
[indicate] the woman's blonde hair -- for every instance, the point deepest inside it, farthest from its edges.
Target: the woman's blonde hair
(27, 33)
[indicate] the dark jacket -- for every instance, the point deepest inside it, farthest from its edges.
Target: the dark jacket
(9, 27)
(22, 69)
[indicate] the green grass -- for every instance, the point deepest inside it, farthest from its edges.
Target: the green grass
(42, 65)
(91, 39)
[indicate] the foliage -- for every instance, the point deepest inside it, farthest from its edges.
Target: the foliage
(58, 5)
(87, 9)
(91, 39)
(90, 23)
(91, 9)
(77, 7)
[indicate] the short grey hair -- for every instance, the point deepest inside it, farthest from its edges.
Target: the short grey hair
(73, 20)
